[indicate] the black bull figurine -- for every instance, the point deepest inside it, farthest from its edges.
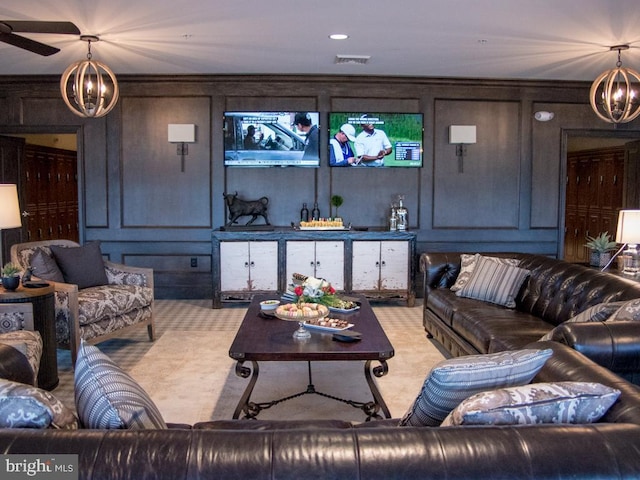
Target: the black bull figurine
(240, 208)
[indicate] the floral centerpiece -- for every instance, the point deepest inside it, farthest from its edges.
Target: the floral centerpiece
(317, 290)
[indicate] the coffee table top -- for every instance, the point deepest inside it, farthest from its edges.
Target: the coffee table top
(270, 339)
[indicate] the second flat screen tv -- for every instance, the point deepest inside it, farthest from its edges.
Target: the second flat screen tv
(271, 139)
(378, 139)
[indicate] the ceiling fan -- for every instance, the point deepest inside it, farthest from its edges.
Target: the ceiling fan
(8, 27)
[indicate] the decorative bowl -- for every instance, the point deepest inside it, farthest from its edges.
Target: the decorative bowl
(269, 306)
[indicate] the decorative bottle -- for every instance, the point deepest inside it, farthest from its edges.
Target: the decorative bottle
(315, 213)
(304, 213)
(403, 215)
(393, 219)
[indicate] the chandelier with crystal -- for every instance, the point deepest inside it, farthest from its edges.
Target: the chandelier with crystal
(89, 88)
(614, 94)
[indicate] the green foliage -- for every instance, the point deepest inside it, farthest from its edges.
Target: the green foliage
(336, 201)
(602, 243)
(10, 270)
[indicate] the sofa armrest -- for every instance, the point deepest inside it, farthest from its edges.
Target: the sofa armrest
(120, 274)
(440, 270)
(613, 345)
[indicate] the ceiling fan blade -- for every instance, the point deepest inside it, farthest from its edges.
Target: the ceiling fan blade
(28, 44)
(29, 26)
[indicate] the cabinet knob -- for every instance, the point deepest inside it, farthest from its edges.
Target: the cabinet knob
(377, 264)
(384, 263)
(246, 264)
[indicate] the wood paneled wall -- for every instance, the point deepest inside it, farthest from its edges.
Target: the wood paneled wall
(147, 212)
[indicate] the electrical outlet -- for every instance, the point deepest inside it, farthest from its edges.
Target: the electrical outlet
(194, 262)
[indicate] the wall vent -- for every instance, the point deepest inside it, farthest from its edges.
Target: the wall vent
(352, 59)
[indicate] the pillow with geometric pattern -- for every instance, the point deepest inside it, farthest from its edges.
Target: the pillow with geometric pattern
(494, 283)
(560, 402)
(109, 398)
(629, 311)
(453, 380)
(468, 264)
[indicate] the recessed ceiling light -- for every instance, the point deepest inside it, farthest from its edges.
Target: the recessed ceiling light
(338, 36)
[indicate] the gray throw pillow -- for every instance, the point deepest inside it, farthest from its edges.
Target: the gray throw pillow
(82, 266)
(560, 402)
(597, 313)
(453, 380)
(45, 267)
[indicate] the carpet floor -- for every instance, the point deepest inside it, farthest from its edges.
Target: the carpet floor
(189, 375)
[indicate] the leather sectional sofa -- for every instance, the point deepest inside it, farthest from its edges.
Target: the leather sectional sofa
(255, 449)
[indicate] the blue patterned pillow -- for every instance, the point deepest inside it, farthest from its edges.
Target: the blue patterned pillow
(25, 406)
(108, 398)
(453, 380)
(597, 313)
(561, 402)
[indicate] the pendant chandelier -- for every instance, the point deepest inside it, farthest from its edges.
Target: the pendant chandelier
(614, 94)
(88, 87)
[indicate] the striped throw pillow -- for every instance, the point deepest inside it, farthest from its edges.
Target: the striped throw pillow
(453, 380)
(494, 283)
(108, 398)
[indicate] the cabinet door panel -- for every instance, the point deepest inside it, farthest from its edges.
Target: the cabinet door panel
(300, 259)
(366, 265)
(234, 266)
(263, 265)
(394, 265)
(330, 262)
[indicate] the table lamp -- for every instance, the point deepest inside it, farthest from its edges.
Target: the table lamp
(9, 211)
(629, 233)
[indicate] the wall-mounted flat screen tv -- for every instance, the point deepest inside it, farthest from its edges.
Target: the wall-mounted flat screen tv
(360, 139)
(271, 139)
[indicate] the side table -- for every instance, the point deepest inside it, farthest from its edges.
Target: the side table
(44, 322)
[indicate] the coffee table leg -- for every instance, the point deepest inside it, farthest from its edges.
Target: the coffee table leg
(244, 372)
(378, 371)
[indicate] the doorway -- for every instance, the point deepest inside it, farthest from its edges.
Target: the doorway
(47, 178)
(601, 178)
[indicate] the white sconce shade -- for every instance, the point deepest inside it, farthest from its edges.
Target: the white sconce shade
(462, 134)
(9, 207)
(182, 133)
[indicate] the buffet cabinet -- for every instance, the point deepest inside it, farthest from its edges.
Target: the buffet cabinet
(377, 264)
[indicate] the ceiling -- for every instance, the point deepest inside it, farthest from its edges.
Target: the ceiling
(509, 39)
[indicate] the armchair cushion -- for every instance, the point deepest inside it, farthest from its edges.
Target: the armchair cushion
(29, 344)
(82, 266)
(44, 266)
(110, 301)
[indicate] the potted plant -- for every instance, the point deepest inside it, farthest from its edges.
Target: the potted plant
(601, 247)
(336, 201)
(10, 276)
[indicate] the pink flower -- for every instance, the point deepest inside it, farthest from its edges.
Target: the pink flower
(298, 290)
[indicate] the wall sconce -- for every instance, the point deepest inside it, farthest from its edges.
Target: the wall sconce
(182, 134)
(461, 136)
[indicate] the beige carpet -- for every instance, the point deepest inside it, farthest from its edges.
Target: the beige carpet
(188, 372)
(191, 378)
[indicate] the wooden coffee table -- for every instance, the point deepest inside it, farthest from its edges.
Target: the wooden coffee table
(261, 339)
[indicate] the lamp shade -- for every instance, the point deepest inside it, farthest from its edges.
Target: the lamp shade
(628, 227)
(9, 207)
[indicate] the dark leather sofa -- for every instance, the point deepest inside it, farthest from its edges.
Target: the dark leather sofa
(554, 292)
(255, 449)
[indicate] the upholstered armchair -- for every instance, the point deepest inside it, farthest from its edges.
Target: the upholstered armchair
(20, 344)
(105, 309)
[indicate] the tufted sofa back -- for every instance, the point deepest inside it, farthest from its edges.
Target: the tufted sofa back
(554, 291)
